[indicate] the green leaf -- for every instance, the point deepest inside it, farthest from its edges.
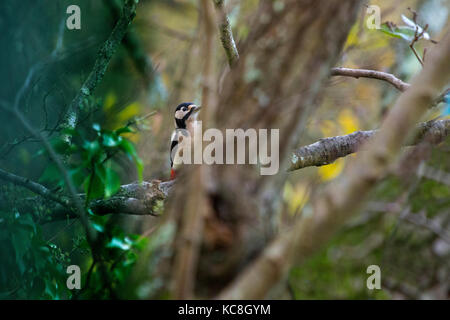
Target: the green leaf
(140, 168)
(70, 131)
(63, 147)
(94, 185)
(402, 32)
(77, 175)
(96, 127)
(111, 140)
(92, 149)
(112, 182)
(128, 148)
(385, 29)
(123, 130)
(98, 227)
(119, 243)
(21, 240)
(130, 151)
(50, 174)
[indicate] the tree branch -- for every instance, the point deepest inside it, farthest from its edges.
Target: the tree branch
(133, 199)
(101, 63)
(327, 150)
(34, 187)
(226, 34)
(364, 73)
(132, 43)
(142, 199)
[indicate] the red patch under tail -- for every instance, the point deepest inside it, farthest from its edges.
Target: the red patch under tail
(172, 174)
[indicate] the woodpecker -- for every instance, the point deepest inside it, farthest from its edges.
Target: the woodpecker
(185, 118)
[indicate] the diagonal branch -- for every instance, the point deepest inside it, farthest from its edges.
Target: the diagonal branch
(364, 73)
(326, 151)
(132, 43)
(133, 199)
(226, 34)
(33, 186)
(104, 56)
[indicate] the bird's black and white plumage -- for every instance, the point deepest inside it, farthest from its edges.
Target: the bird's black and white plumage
(185, 118)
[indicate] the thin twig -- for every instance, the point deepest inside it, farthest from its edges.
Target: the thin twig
(364, 73)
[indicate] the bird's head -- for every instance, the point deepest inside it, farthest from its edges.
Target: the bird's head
(184, 112)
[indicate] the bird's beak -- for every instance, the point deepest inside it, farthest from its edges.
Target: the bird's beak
(196, 109)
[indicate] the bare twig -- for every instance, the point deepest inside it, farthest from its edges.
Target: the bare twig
(416, 38)
(364, 73)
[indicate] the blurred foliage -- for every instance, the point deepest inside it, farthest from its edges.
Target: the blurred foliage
(33, 267)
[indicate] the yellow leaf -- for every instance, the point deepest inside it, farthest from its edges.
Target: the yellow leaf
(348, 121)
(328, 128)
(331, 171)
(352, 38)
(129, 112)
(296, 197)
(110, 100)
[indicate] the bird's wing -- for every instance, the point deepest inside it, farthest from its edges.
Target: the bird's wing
(173, 150)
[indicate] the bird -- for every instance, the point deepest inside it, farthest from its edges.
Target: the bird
(185, 118)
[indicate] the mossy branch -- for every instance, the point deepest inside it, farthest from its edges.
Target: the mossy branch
(104, 56)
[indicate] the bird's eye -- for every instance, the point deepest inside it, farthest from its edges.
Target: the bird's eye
(184, 108)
